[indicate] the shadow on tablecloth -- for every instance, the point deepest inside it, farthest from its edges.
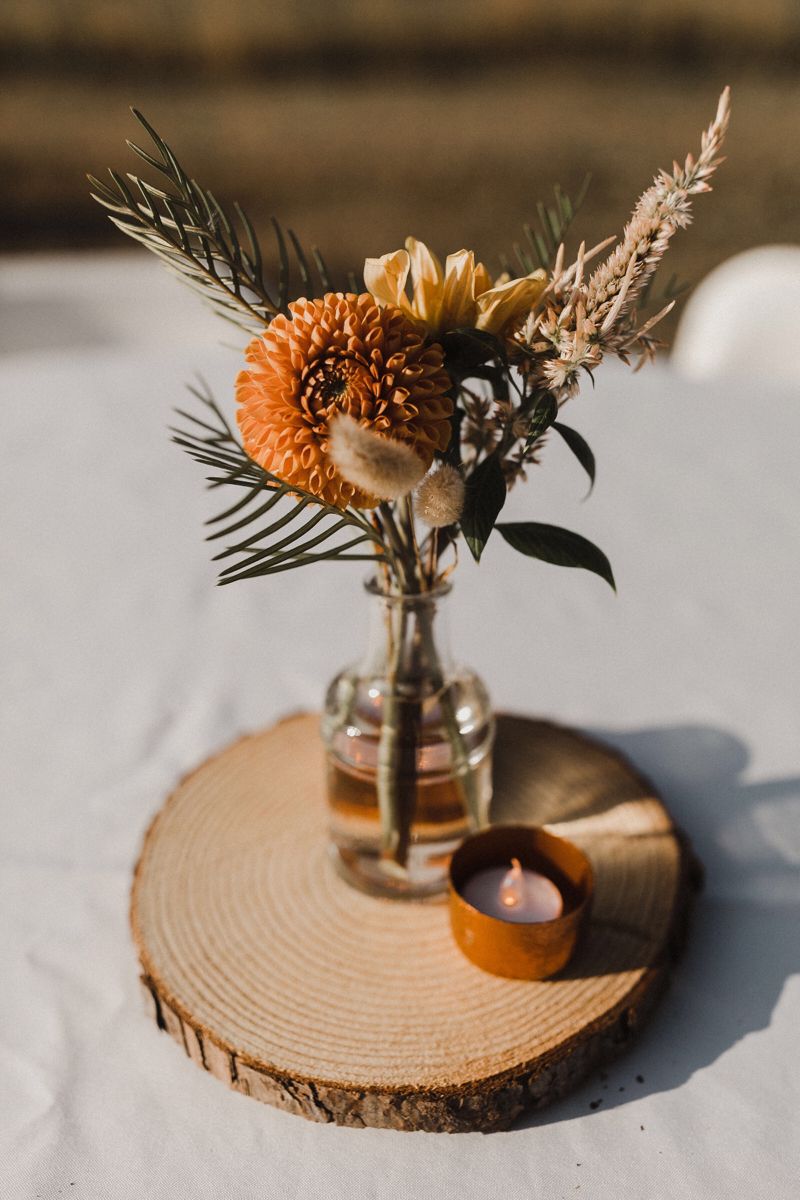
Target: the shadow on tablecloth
(743, 943)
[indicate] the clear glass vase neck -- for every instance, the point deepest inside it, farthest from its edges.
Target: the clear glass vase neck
(408, 633)
(374, 587)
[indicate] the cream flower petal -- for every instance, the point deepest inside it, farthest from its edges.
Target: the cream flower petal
(427, 276)
(501, 304)
(427, 304)
(385, 278)
(424, 263)
(483, 280)
(458, 297)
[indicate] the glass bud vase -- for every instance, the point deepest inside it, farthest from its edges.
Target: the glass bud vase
(408, 739)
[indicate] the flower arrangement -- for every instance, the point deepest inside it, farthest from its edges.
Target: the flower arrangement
(386, 422)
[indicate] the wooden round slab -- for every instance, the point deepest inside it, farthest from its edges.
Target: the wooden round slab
(292, 987)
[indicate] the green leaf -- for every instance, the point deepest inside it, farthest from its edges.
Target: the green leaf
(497, 377)
(543, 416)
(562, 547)
(467, 349)
(580, 448)
(485, 496)
(452, 454)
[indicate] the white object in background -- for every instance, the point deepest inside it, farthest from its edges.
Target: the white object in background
(744, 319)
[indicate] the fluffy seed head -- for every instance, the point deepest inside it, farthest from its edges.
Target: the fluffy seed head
(440, 497)
(377, 466)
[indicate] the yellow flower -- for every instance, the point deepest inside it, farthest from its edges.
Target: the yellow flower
(461, 296)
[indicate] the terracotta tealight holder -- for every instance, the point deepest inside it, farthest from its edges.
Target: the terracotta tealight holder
(520, 950)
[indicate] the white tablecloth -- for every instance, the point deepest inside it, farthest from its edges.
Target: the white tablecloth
(123, 666)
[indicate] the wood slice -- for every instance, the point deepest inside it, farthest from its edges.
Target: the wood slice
(294, 988)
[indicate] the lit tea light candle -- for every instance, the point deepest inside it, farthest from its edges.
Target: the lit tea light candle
(519, 895)
(521, 921)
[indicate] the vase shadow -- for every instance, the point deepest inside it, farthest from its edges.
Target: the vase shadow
(567, 776)
(743, 942)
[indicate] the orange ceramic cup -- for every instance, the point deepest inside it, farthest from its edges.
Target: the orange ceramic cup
(520, 950)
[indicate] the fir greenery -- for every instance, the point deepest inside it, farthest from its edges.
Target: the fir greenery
(294, 528)
(215, 252)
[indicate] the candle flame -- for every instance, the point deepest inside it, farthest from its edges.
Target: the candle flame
(512, 887)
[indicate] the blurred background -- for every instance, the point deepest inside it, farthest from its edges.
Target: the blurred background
(359, 121)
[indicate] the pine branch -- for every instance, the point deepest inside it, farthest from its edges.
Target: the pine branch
(544, 240)
(652, 299)
(217, 254)
(299, 525)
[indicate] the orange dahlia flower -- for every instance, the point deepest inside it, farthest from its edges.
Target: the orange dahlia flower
(345, 354)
